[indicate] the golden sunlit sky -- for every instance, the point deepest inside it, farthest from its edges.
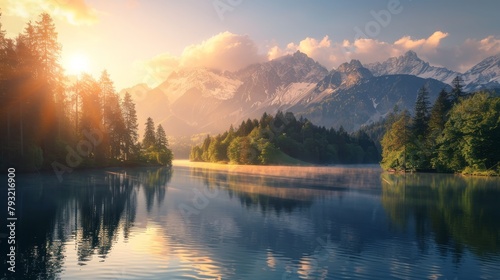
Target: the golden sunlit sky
(143, 41)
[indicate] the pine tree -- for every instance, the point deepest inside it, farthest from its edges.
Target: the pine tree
(439, 111)
(89, 114)
(161, 138)
(116, 126)
(457, 92)
(49, 77)
(26, 55)
(130, 119)
(107, 92)
(421, 119)
(113, 120)
(48, 48)
(149, 134)
(163, 154)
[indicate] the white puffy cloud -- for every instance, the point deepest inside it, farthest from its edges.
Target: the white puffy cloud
(75, 12)
(274, 52)
(224, 51)
(324, 51)
(427, 44)
(371, 50)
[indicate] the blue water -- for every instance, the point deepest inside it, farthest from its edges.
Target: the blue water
(255, 223)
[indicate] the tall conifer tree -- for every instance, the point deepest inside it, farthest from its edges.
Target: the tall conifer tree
(149, 134)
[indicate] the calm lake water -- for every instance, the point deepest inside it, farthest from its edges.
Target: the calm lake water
(255, 223)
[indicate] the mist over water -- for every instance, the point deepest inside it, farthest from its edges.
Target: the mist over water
(257, 222)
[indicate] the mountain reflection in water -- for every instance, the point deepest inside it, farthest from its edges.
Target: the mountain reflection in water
(257, 223)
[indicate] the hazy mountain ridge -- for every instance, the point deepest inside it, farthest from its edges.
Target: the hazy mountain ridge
(199, 100)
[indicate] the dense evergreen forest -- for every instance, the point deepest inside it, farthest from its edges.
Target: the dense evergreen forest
(47, 122)
(282, 139)
(459, 133)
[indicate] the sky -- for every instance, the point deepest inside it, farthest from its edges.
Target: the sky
(143, 41)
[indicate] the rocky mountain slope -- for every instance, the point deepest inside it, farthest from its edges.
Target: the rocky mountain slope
(199, 100)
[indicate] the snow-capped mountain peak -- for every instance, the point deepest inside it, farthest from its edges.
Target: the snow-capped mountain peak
(485, 74)
(195, 100)
(411, 64)
(263, 81)
(486, 65)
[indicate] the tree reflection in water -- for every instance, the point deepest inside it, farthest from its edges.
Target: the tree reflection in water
(88, 207)
(281, 214)
(456, 211)
(263, 192)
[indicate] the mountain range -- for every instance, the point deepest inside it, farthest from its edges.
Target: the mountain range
(200, 100)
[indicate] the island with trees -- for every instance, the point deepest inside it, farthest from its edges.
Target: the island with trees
(284, 139)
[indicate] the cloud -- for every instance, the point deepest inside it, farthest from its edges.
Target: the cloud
(462, 57)
(324, 51)
(76, 12)
(428, 44)
(155, 70)
(228, 51)
(371, 50)
(274, 52)
(331, 54)
(224, 51)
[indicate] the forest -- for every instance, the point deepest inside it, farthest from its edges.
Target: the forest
(459, 133)
(283, 139)
(50, 121)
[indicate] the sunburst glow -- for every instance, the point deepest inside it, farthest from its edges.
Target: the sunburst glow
(77, 64)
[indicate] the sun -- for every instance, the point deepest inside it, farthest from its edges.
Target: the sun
(77, 63)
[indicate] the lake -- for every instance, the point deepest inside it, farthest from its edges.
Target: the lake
(205, 221)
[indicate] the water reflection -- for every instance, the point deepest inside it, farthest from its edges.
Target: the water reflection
(279, 223)
(315, 220)
(457, 211)
(154, 184)
(293, 224)
(286, 188)
(87, 208)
